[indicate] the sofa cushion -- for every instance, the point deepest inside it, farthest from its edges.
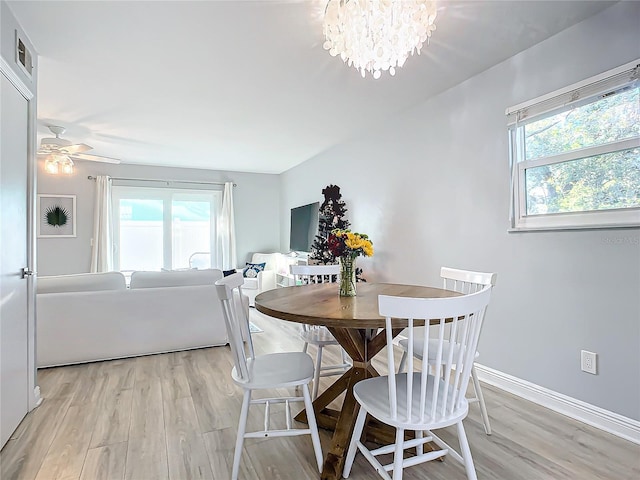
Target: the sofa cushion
(250, 283)
(81, 282)
(252, 270)
(178, 278)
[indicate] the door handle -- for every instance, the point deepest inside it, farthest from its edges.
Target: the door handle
(27, 273)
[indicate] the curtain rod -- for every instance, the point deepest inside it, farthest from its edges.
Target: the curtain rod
(91, 177)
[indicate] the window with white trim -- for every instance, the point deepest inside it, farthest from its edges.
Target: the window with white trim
(575, 155)
(159, 228)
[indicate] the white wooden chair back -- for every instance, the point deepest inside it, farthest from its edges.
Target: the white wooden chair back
(229, 291)
(458, 320)
(466, 281)
(306, 274)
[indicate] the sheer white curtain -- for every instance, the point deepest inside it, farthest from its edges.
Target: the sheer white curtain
(226, 231)
(102, 250)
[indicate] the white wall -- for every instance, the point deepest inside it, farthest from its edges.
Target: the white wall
(431, 188)
(256, 202)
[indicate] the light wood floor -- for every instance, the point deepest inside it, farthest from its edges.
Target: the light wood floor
(174, 416)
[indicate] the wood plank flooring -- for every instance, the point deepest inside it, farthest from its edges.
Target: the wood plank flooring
(174, 416)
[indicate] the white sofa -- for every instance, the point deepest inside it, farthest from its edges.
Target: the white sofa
(94, 316)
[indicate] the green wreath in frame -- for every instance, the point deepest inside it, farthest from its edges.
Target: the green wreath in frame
(56, 216)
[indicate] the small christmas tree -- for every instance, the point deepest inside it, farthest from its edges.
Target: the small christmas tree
(332, 212)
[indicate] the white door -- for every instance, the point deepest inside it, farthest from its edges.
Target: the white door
(14, 364)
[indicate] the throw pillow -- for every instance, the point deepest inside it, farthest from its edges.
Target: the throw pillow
(252, 269)
(226, 273)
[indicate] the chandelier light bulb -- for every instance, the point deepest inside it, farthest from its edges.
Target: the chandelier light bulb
(377, 35)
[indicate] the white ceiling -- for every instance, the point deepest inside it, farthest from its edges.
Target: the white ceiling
(246, 85)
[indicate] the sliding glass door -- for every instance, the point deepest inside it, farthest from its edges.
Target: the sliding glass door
(139, 234)
(164, 228)
(191, 228)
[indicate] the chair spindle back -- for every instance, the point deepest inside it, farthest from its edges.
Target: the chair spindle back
(457, 320)
(466, 281)
(306, 274)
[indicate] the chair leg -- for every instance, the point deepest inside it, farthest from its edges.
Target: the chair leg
(304, 350)
(480, 396)
(403, 360)
(420, 448)
(242, 426)
(344, 356)
(398, 455)
(466, 452)
(313, 426)
(316, 375)
(353, 446)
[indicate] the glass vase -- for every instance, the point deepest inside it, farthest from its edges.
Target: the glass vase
(347, 276)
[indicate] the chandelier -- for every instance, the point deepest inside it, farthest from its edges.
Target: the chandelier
(56, 164)
(377, 35)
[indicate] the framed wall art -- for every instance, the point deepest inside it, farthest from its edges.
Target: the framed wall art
(56, 216)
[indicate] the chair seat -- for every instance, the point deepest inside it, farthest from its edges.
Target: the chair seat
(275, 370)
(318, 336)
(418, 345)
(250, 284)
(373, 395)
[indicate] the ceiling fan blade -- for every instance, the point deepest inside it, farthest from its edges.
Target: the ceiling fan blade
(76, 148)
(94, 158)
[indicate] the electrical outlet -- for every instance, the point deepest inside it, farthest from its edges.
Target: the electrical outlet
(588, 362)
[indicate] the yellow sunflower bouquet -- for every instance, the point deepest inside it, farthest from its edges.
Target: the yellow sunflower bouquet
(346, 246)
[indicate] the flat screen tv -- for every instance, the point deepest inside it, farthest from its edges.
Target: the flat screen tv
(304, 227)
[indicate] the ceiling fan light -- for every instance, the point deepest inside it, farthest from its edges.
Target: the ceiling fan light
(67, 167)
(51, 166)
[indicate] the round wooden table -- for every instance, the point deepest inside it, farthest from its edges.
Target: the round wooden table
(357, 326)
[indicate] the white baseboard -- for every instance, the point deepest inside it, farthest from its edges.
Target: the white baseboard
(610, 422)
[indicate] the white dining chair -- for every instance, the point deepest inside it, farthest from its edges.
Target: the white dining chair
(319, 336)
(463, 281)
(419, 401)
(271, 371)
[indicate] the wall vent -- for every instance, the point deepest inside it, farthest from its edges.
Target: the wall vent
(23, 56)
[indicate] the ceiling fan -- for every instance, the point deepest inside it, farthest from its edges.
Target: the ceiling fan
(61, 152)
